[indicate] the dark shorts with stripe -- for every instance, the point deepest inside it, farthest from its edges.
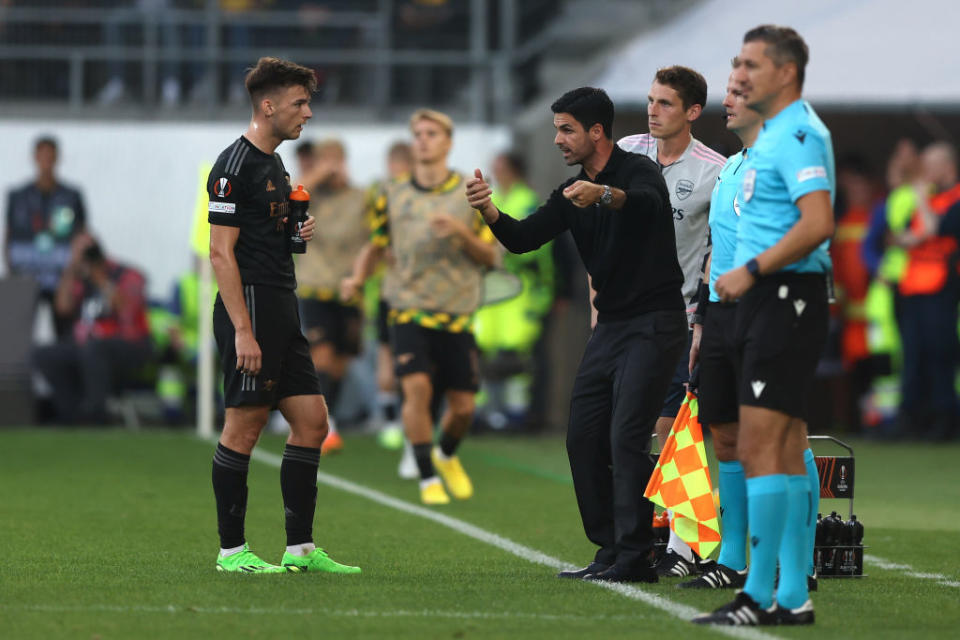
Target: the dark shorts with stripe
(719, 365)
(781, 332)
(450, 359)
(286, 368)
(329, 322)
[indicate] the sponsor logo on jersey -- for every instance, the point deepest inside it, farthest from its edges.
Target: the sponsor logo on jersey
(222, 188)
(810, 173)
(736, 205)
(800, 135)
(684, 188)
(221, 207)
(749, 181)
(270, 186)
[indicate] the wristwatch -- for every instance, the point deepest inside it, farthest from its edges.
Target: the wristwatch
(606, 198)
(753, 268)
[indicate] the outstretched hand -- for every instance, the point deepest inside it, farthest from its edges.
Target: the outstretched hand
(478, 196)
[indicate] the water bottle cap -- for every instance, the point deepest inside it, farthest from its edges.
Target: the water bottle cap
(300, 194)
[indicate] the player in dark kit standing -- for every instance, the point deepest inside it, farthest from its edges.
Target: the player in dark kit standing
(618, 211)
(265, 357)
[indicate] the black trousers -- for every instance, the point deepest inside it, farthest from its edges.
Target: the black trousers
(617, 396)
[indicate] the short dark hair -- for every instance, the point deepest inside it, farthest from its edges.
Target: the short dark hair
(588, 106)
(305, 148)
(45, 141)
(689, 84)
(273, 73)
(783, 45)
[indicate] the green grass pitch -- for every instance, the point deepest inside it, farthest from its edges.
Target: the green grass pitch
(109, 534)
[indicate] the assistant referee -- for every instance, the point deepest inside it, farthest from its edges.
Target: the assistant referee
(618, 211)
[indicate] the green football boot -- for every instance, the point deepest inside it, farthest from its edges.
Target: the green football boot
(246, 562)
(316, 560)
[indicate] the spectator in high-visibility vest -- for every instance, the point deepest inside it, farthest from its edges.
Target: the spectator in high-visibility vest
(928, 320)
(508, 331)
(853, 279)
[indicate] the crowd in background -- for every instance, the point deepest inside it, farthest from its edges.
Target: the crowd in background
(890, 369)
(317, 25)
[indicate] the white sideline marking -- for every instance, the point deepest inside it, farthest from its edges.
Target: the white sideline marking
(675, 609)
(338, 613)
(909, 571)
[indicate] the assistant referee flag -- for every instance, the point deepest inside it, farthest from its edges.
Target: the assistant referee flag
(681, 482)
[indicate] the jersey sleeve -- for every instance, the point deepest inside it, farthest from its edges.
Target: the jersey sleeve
(803, 164)
(379, 221)
(225, 197)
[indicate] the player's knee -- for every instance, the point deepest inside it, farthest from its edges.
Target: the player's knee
(462, 410)
(725, 443)
(417, 392)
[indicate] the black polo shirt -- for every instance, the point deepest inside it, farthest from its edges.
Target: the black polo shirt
(630, 254)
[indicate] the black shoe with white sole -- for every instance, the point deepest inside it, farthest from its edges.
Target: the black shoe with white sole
(673, 565)
(719, 577)
(742, 612)
(801, 615)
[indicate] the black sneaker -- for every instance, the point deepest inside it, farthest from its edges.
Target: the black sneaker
(617, 573)
(812, 583)
(801, 615)
(673, 565)
(742, 612)
(579, 574)
(719, 577)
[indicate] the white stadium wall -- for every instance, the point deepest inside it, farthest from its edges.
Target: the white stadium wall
(140, 180)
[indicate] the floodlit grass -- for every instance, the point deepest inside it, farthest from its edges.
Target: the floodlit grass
(108, 534)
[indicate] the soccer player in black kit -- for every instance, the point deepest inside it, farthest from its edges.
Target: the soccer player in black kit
(618, 211)
(264, 356)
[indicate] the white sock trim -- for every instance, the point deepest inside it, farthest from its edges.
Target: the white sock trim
(441, 455)
(429, 481)
(229, 552)
(301, 549)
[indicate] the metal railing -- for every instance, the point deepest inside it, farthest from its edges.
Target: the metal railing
(211, 47)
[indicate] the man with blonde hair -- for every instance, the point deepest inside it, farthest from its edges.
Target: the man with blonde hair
(440, 250)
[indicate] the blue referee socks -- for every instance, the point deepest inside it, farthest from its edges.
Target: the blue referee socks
(733, 506)
(794, 554)
(814, 477)
(767, 511)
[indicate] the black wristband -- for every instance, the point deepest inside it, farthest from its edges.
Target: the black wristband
(703, 297)
(753, 267)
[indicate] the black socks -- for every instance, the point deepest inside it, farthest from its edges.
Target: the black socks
(449, 444)
(422, 453)
(298, 484)
(230, 488)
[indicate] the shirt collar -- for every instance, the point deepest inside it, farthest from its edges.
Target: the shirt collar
(786, 113)
(613, 163)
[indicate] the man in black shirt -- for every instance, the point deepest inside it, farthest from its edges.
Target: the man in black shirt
(265, 357)
(43, 217)
(618, 211)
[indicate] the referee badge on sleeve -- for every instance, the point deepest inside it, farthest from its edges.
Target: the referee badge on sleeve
(749, 180)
